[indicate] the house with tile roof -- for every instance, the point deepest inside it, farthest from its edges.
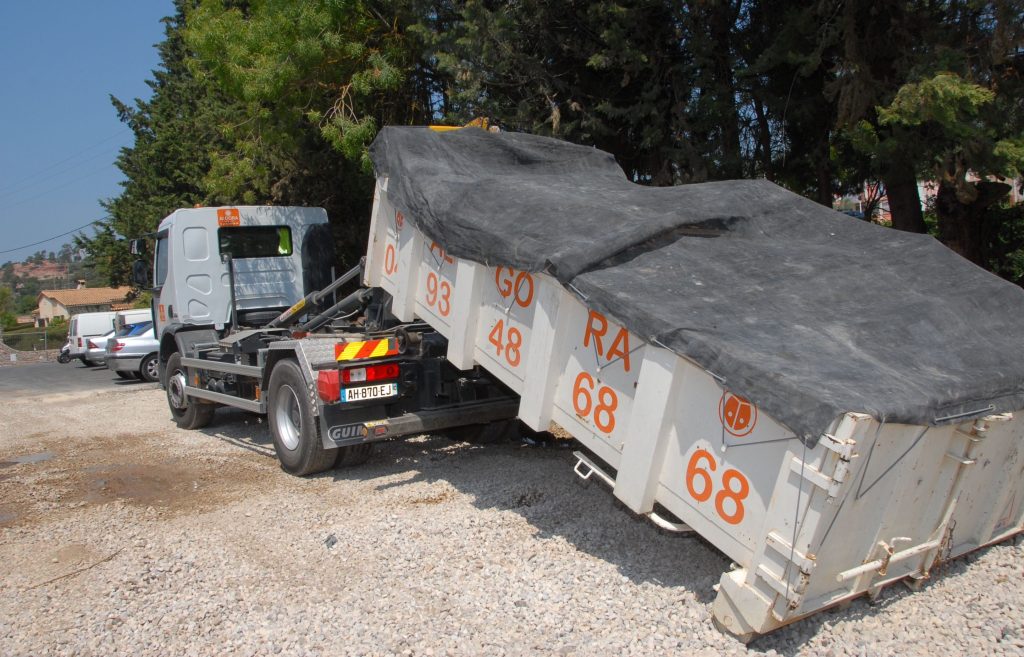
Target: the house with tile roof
(64, 303)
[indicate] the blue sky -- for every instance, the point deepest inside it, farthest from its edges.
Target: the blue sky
(59, 135)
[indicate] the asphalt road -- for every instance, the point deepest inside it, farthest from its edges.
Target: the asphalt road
(53, 378)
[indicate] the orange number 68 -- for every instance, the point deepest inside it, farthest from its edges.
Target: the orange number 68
(734, 489)
(583, 402)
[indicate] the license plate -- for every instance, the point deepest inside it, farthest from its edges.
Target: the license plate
(369, 392)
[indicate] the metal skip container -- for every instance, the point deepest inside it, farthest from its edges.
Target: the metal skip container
(868, 504)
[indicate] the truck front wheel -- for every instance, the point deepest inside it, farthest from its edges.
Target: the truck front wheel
(188, 413)
(295, 429)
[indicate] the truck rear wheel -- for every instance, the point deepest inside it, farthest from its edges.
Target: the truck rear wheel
(188, 413)
(295, 429)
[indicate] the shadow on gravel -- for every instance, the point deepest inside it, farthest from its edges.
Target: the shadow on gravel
(538, 484)
(241, 429)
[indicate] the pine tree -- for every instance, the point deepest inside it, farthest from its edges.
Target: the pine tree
(164, 168)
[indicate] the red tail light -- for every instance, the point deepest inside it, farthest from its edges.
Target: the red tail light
(79, 342)
(328, 385)
(370, 373)
(118, 346)
(92, 345)
(329, 382)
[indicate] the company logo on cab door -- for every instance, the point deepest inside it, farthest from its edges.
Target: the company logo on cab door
(737, 415)
(228, 217)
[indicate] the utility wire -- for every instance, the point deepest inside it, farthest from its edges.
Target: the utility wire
(50, 239)
(94, 172)
(58, 163)
(58, 172)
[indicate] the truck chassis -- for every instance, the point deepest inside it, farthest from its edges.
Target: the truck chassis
(297, 378)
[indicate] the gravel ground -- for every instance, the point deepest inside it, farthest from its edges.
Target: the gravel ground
(126, 536)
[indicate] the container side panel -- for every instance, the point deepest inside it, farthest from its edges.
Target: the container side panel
(726, 458)
(549, 341)
(436, 292)
(599, 377)
(990, 502)
(407, 272)
(379, 219)
(465, 313)
(394, 232)
(507, 306)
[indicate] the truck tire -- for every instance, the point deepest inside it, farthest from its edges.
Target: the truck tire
(353, 455)
(187, 413)
(295, 429)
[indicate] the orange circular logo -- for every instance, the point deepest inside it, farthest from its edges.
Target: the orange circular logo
(737, 415)
(399, 220)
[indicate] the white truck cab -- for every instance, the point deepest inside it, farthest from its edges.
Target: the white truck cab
(276, 254)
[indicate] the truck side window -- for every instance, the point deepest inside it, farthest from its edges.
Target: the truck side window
(255, 241)
(161, 262)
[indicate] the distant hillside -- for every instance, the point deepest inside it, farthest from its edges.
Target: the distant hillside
(39, 271)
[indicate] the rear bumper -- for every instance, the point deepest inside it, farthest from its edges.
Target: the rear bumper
(129, 363)
(342, 426)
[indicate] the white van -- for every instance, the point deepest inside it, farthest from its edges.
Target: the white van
(134, 316)
(85, 326)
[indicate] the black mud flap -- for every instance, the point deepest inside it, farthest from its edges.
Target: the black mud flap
(342, 427)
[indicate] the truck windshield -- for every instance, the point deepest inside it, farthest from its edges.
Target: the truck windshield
(255, 241)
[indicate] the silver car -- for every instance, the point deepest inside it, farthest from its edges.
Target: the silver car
(95, 349)
(134, 355)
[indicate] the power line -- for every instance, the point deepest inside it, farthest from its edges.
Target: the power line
(58, 172)
(50, 239)
(34, 174)
(94, 172)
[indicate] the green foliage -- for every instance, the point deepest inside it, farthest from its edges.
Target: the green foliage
(276, 102)
(6, 300)
(945, 100)
(143, 300)
(958, 134)
(309, 85)
(607, 74)
(174, 131)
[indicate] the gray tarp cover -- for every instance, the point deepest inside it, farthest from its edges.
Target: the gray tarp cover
(806, 312)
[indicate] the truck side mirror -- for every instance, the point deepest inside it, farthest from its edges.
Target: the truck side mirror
(140, 273)
(137, 247)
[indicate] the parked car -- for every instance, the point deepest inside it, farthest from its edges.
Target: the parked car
(134, 354)
(96, 349)
(88, 325)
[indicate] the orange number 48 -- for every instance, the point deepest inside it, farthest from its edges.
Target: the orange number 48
(510, 344)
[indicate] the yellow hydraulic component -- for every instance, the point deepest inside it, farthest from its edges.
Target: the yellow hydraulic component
(480, 122)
